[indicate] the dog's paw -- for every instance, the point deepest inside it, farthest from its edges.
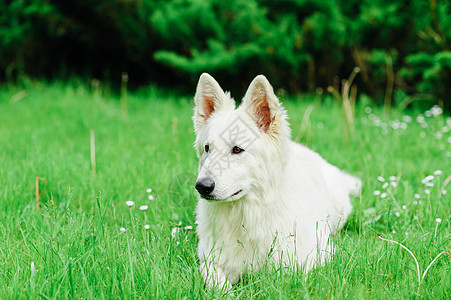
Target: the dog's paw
(214, 277)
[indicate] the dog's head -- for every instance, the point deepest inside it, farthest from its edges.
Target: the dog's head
(237, 147)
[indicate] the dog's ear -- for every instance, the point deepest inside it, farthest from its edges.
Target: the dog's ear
(208, 99)
(262, 104)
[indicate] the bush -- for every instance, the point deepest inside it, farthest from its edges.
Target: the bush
(299, 44)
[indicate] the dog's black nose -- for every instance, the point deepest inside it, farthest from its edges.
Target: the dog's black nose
(205, 186)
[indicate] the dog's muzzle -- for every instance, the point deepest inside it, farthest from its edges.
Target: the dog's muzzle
(205, 186)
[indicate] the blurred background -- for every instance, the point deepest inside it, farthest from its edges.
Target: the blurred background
(401, 48)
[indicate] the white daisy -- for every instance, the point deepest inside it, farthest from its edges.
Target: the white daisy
(429, 178)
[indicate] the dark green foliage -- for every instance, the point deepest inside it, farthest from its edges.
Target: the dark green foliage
(299, 44)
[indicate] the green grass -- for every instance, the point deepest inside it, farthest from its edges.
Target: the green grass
(75, 240)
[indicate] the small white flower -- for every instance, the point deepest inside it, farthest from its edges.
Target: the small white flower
(393, 231)
(444, 192)
(151, 197)
(122, 229)
(368, 110)
(395, 124)
(146, 226)
(143, 207)
(427, 192)
(376, 193)
(130, 203)
(437, 172)
(438, 220)
(385, 185)
(392, 178)
(429, 184)
(397, 214)
(393, 184)
(407, 119)
(417, 196)
(429, 178)
(428, 113)
(404, 207)
(436, 110)
(149, 190)
(189, 227)
(383, 195)
(381, 179)
(415, 218)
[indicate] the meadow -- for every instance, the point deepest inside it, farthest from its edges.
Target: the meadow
(97, 199)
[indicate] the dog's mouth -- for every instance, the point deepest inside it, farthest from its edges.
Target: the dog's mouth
(231, 197)
(236, 193)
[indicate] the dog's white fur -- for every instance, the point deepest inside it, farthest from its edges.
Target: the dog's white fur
(290, 199)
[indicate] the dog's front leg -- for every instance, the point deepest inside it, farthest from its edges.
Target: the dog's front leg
(214, 276)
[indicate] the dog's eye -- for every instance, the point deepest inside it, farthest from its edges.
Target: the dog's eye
(236, 150)
(207, 148)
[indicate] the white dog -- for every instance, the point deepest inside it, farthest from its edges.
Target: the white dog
(263, 197)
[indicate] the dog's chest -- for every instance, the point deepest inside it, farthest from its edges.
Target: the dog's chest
(247, 235)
